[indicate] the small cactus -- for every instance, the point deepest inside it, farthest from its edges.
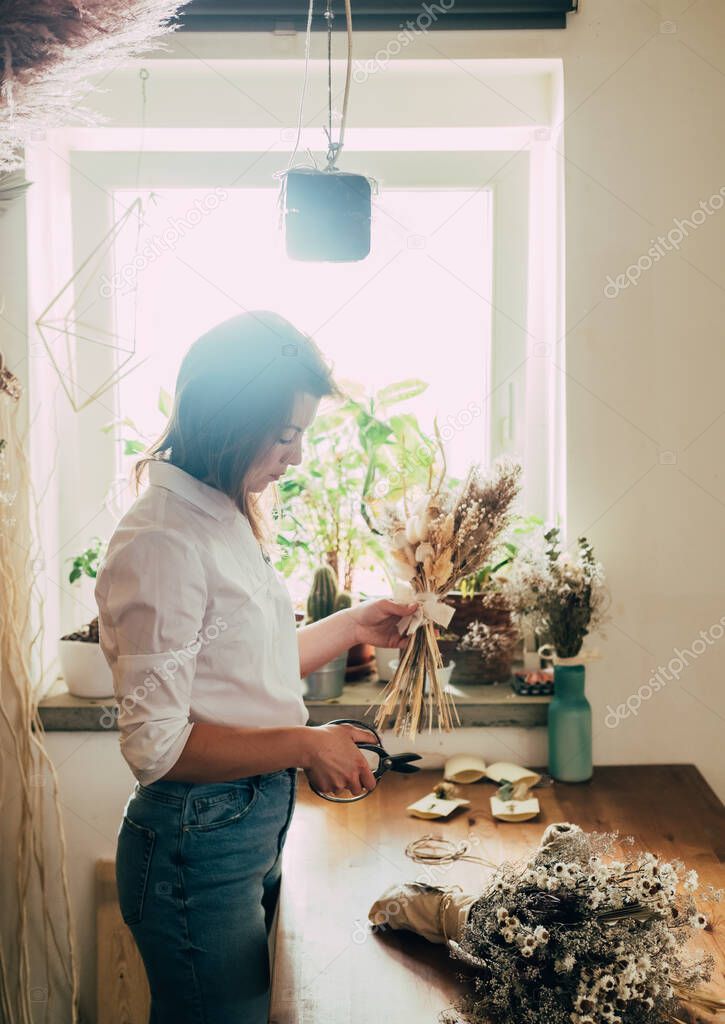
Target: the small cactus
(343, 600)
(321, 600)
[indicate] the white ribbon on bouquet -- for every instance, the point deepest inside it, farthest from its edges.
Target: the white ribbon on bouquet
(430, 608)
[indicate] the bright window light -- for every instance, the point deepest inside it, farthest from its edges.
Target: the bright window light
(418, 306)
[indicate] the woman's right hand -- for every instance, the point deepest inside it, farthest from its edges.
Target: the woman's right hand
(333, 762)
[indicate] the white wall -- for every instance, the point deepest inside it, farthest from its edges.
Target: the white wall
(645, 109)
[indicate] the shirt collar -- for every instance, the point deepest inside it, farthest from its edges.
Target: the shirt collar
(209, 499)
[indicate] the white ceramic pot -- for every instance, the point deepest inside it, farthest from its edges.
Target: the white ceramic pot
(85, 669)
(383, 657)
(444, 674)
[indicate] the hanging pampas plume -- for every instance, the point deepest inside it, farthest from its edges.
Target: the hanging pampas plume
(38, 960)
(51, 49)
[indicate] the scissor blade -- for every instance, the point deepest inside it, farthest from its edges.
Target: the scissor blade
(401, 763)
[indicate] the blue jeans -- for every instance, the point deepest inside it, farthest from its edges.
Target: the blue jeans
(198, 869)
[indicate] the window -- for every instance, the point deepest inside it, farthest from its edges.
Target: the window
(463, 288)
(418, 306)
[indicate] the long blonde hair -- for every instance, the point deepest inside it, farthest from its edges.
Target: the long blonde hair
(235, 390)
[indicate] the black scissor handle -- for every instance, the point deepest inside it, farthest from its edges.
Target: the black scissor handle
(339, 799)
(360, 725)
(384, 759)
(376, 748)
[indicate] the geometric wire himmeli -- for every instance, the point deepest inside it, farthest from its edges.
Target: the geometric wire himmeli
(60, 324)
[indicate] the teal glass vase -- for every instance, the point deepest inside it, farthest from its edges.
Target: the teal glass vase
(570, 726)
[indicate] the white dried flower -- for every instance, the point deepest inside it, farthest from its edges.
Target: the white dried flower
(691, 881)
(423, 551)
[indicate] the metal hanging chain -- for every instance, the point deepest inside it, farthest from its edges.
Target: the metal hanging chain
(335, 148)
(301, 108)
(329, 18)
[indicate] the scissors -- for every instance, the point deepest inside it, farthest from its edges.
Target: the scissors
(386, 762)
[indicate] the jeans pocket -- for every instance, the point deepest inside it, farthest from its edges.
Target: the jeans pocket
(290, 810)
(224, 808)
(133, 860)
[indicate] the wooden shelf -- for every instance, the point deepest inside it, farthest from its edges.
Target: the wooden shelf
(478, 705)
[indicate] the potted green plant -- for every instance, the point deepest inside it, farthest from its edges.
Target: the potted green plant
(325, 599)
(362, 447)
(82, 661)
(321, 515)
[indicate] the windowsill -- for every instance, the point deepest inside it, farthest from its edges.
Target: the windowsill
(478, 706)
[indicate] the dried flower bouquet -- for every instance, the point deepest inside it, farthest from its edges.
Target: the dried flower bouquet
(570, 935)
(562, 596)
(436, 541)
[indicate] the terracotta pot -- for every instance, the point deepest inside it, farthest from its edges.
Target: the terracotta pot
(360, 661)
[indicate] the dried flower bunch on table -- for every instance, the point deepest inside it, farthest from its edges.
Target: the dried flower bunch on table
(435, 541)
(572, 935)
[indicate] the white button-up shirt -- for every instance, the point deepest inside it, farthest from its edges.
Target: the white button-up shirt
(195, 624)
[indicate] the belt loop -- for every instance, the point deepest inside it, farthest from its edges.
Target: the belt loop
(185, 805)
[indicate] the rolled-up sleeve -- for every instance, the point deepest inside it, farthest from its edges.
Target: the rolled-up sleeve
(152, 595)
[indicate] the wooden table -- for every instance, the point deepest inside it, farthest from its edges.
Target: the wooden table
(330, 969)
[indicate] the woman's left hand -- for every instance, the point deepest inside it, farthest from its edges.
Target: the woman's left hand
(376, 622)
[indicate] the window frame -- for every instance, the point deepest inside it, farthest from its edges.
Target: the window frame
(87, 165)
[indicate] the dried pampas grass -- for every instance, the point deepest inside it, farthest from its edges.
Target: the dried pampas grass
(433, 545)
(37, 946)
(50, 50)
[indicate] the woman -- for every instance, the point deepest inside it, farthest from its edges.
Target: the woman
(200, 634)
